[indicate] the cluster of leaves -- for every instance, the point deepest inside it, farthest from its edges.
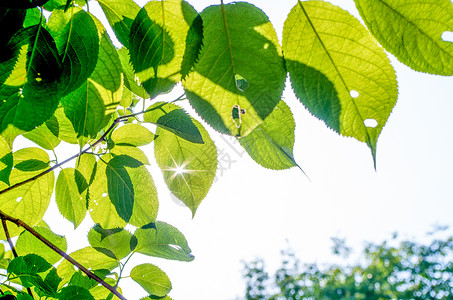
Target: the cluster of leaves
(64, 81)
(409, 270)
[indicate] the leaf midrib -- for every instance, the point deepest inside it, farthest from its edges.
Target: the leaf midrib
(414, 26)
(336, 69)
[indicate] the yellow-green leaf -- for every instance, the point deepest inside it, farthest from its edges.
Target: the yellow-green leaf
(414, 31)
(338, 71)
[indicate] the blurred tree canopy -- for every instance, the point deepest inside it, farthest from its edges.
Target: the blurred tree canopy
(393, 269)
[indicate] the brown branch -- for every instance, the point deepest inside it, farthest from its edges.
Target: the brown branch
(13, 249)
(60, 252)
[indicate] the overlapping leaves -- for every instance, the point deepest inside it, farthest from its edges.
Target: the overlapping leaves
(239, 66)
(158, 43)
(28, 202)
(188, 168)
(338, 70)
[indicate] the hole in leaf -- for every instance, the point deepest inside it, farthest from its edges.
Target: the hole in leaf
(18, 199)
(236, 113)
(104, 195)
(447, 36)
(370, 123)
(241, 83)
(354, 94)
(266, 46)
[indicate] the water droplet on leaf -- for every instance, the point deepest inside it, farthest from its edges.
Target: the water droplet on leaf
(241, 83)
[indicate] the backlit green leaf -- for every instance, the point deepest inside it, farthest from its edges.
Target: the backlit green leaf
(271, 143)
(171, 117)
(75, 293)
(188, 168)
(115, 243)
(77, 41)
(30, 264)
(89, 108)
(122, 191)
(28, 95)
(238, 42)
(338, 71)
(413, 31)
(27, 243)
(6, 161)
(163, 240)
(132, 134)
(62, 127)
(43, 137)
(152, 279)
(32, 17)
(131, 80)
(132, 151)
(71, 204)
(120, 15)
(157, 43)
(28, 202)
(86, 257)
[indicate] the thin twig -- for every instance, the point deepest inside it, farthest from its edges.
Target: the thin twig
(11, 245)
(60, 252)
(115, 122)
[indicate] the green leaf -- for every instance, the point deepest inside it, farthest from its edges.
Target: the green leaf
(28, 269)
(412, 31)
(115, 243)
(271, 143)
(158, 43)
(29, 92)
(49, 287)
(43, 137)
(152, 279)
(131, 80)
(86, 257)
(188, 168)
(28, 202)
(171, 117)
(131, 151)
(122, 191)
(163, 240)
(6, 161)
(29, 264)
(80, 279)
(62, 127)
(129, 182)
(90, 107)
(27, 243)
(74, 293)
(33, 17)
(344, 78)
(77, 40)
(71, 204)
(239, 42)
(120, 15)
(132, 134)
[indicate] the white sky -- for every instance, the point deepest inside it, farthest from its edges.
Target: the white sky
(251, 212)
